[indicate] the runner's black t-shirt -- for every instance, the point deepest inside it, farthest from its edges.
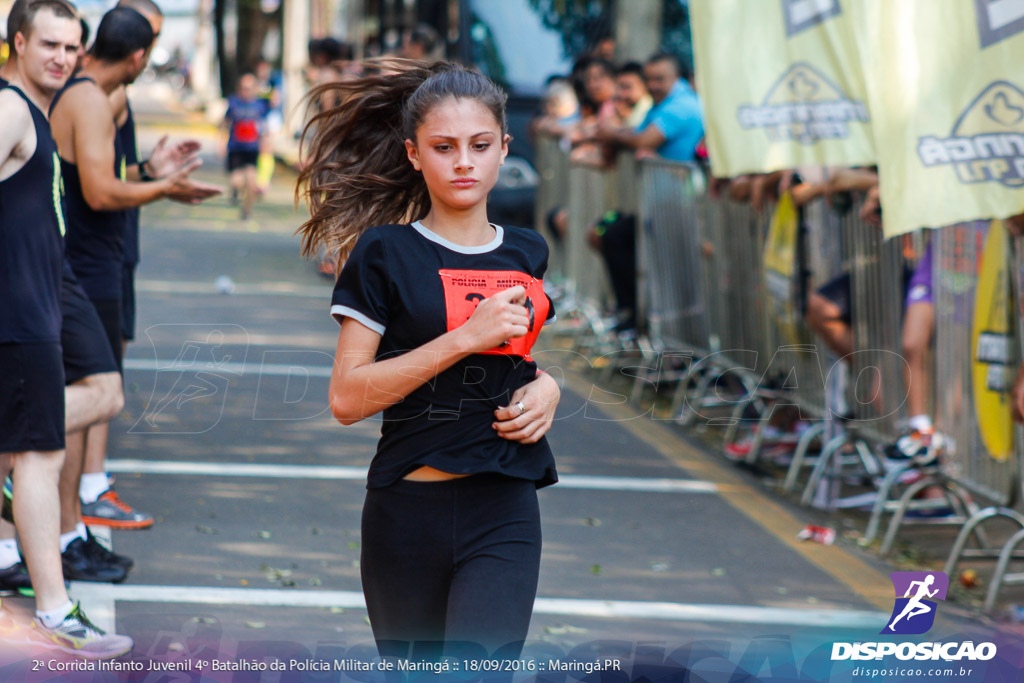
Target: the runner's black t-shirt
(411, 286)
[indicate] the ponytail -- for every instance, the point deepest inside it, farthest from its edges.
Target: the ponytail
(357, 172)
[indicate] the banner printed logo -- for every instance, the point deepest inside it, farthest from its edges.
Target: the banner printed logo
(998, 20)
(914, 610)
(803, 14)
(805, 106)
(987, 141)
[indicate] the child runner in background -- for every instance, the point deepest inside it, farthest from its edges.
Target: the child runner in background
(439, 309)
(246, 124)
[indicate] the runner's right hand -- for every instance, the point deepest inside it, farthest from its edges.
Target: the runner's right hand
(496, 320)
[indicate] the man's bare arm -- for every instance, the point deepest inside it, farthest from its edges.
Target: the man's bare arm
(86, 112)
(648, 138)
(17, 120)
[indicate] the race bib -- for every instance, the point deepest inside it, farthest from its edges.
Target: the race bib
(465, 289)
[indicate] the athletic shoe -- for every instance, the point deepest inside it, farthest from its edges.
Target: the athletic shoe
(77, 635)
(920, 446)
(80, 566)
(14, 578)
(773, 437)
(110, 510)
(7, 509)
(104, 555)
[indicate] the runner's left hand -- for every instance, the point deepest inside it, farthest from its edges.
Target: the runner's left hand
(540, 399)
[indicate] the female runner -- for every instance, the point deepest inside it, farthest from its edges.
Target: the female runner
(439, 309)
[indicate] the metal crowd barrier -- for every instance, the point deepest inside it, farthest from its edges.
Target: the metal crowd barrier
(876, 393)
(703, 290)
(967, 467)
(670, 288)
(552, 191)
(973, 271)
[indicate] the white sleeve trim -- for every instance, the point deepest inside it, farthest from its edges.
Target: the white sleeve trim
(550, 320)
(339, 311)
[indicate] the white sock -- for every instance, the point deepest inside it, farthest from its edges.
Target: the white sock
(52, 618)
(921, 423)
(83, 533)
(67, 539)
(92, 485)
(9, 555)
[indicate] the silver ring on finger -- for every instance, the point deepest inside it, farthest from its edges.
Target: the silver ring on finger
(522, 408)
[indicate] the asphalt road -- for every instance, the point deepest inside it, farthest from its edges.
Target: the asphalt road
(656, 554)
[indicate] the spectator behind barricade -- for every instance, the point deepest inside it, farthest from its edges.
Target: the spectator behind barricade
(329, 61)
(422, 43)
(599, 81)
(576, 79)
(604, 48)
(828, 312)
(673, 126)
(560, 109)
(632, 101)
(599, 87)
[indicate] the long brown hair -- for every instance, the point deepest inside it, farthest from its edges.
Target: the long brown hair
(357, 173)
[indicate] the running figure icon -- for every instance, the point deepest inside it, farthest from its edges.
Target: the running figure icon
(914, 606)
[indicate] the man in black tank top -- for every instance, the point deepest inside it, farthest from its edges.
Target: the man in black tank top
(92, 394)
(31, 372)
(98, 189)
(100, 503)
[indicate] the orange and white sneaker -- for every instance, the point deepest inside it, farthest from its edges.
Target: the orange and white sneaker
(921, 446)
(110, 510)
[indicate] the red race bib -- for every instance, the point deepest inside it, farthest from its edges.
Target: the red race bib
(465, 289)
(247, 131)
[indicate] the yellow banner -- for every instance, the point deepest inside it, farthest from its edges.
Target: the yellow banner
(782, 84)
(946, 95)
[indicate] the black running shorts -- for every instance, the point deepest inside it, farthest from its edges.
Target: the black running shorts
(128, 302)
(240, 159)
(31, 398)
(109, 311)
(85, 344)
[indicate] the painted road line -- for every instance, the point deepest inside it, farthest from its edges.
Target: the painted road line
(261, 369)
(612, 609)
(340, 472)
(238, 289)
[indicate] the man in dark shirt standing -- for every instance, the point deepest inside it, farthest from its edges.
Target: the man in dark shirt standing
(95, 173)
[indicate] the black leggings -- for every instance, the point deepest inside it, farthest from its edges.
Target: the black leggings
(452, 561)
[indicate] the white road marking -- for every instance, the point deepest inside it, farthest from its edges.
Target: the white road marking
(240, 289)
(223, 469)
(94, 593)
(268, 369)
